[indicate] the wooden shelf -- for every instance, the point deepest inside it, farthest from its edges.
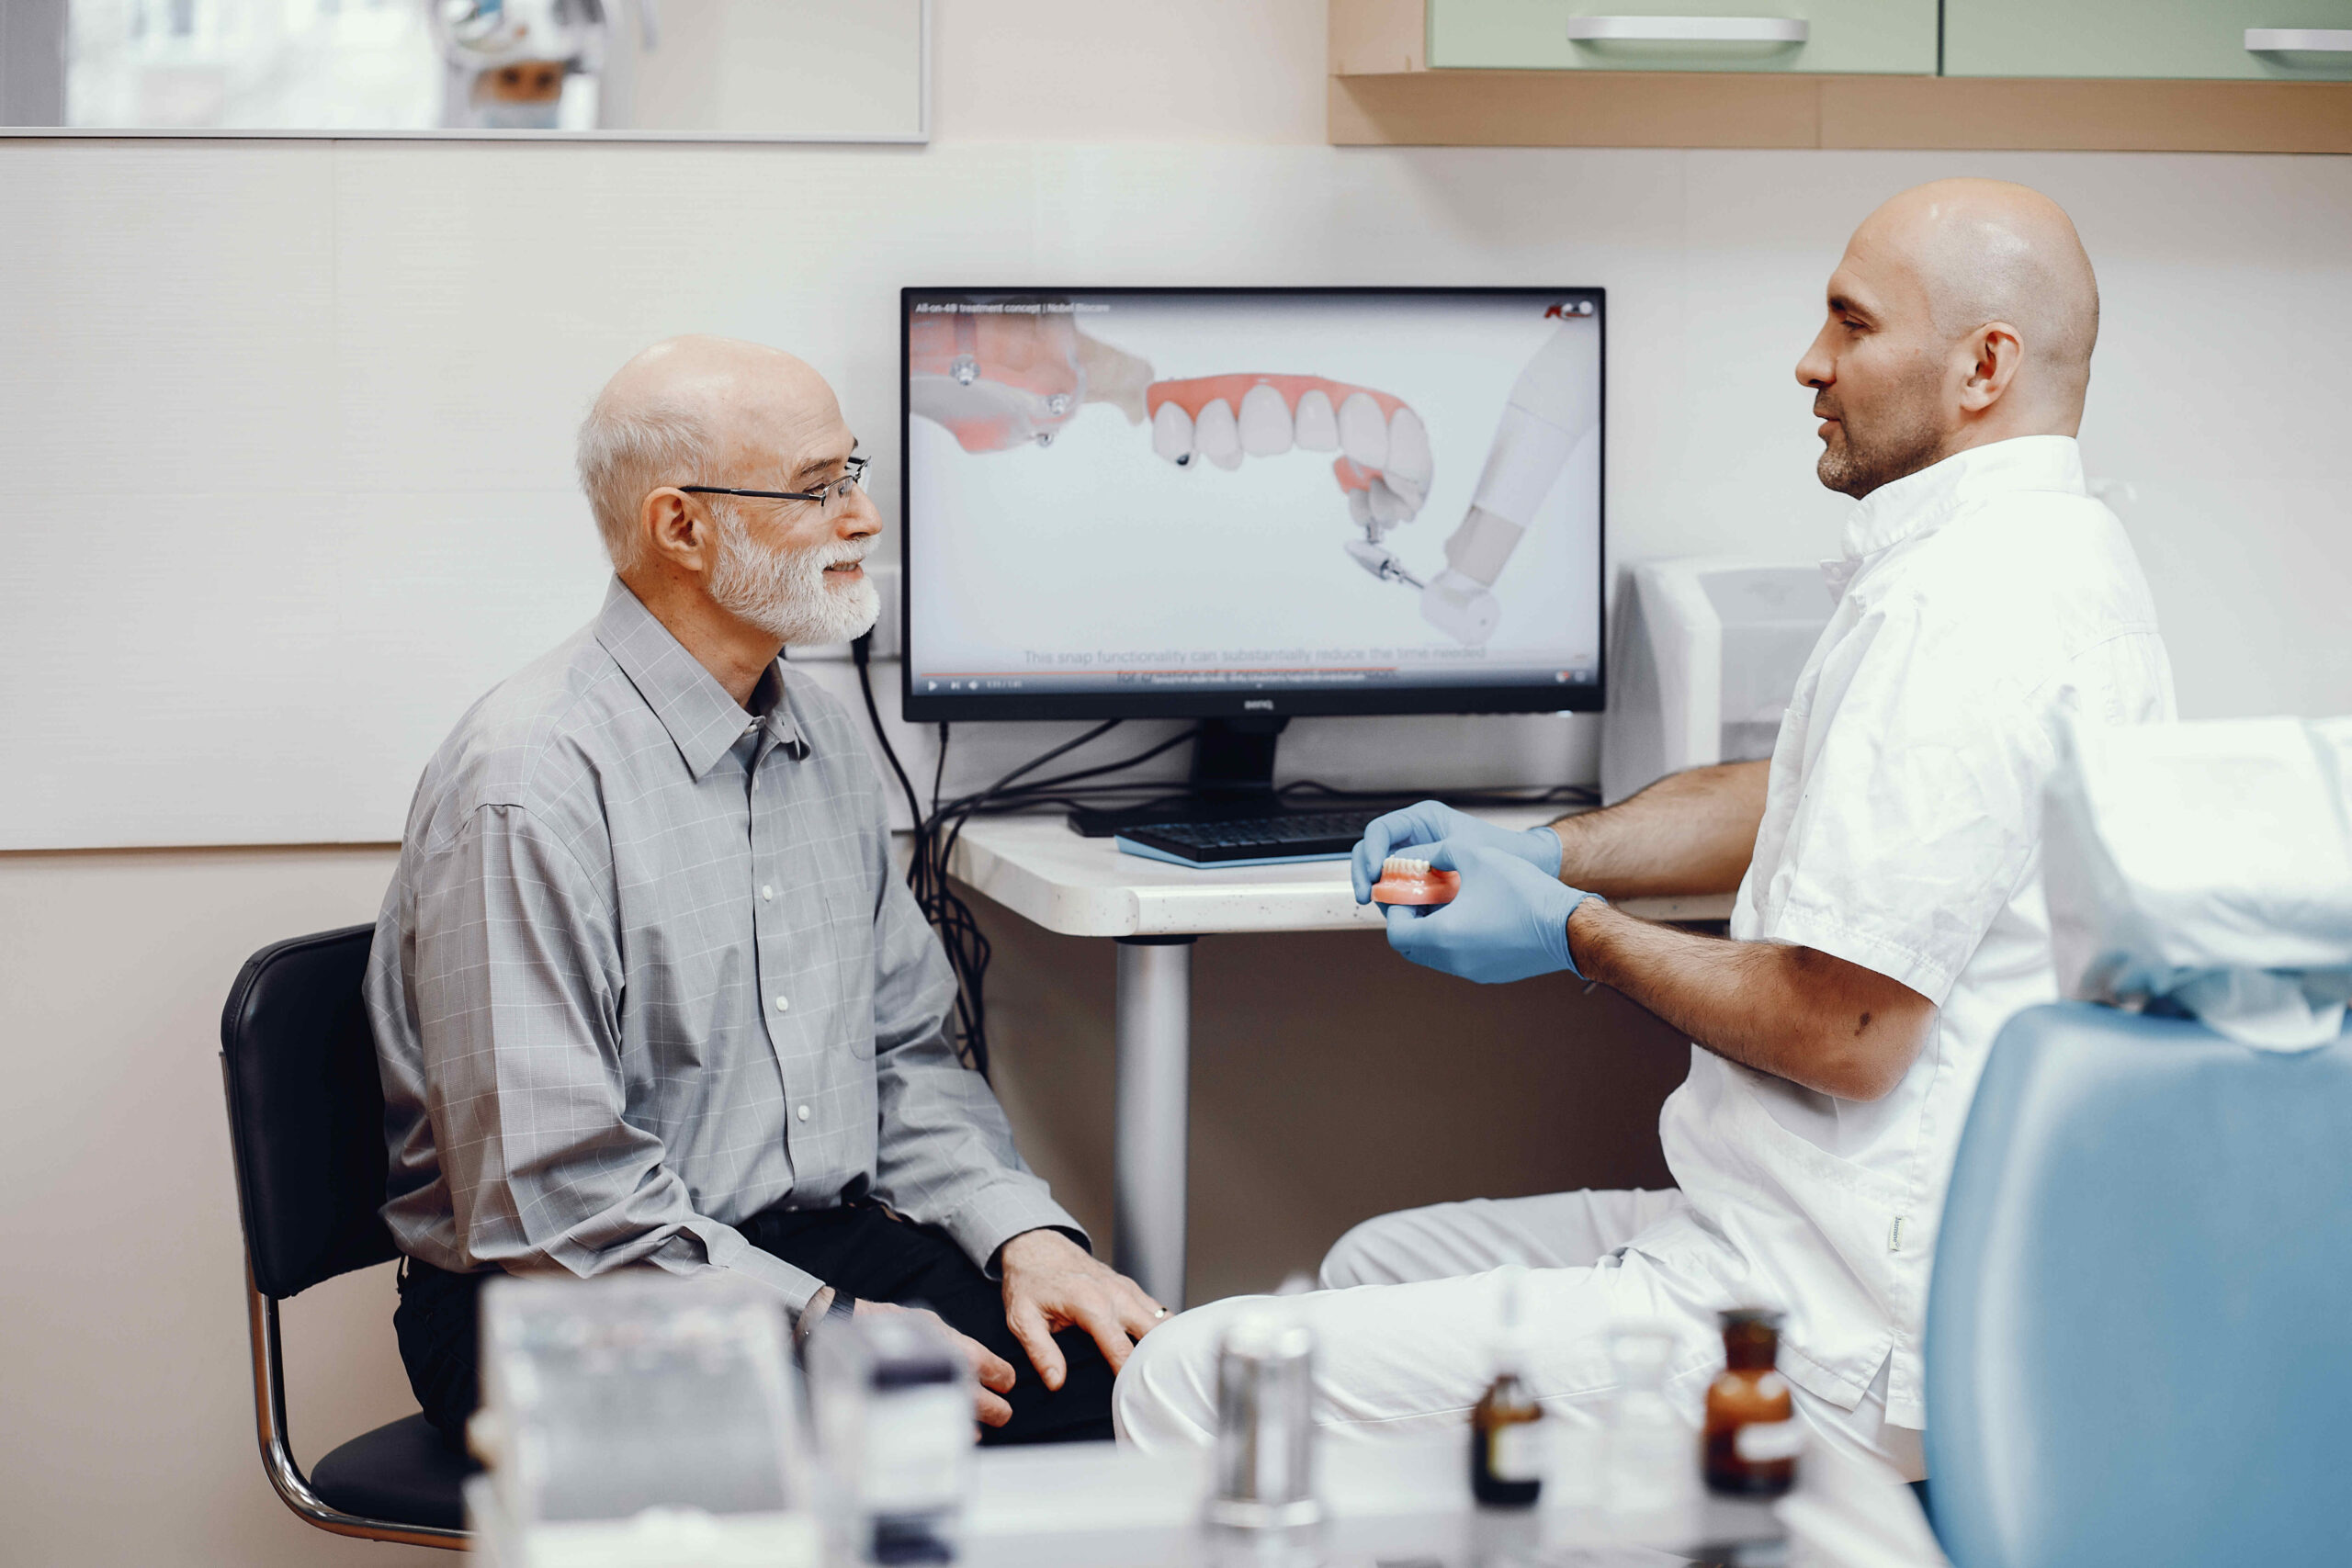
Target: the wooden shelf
(1382, 93)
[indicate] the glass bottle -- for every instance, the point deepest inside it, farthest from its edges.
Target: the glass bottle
(1751, 1438)
(1646, 1465)
(1508, 1451)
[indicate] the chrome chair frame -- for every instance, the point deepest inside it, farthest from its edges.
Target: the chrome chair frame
(286, 1477)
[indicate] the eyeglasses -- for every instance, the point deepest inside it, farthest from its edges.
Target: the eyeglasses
(826, 494)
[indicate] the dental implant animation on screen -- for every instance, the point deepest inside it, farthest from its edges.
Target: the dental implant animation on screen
(1003, 375)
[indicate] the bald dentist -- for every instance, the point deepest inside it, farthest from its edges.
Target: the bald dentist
(1890, 911)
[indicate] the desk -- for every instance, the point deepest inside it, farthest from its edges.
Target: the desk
(1039, 869)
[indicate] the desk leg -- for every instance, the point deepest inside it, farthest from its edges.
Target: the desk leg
(1154, 1038)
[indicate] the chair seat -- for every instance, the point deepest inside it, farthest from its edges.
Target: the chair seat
(401, 1472)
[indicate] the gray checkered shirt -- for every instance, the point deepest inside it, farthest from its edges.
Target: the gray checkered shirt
(646, 970)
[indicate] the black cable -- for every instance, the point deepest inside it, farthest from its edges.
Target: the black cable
(860, 651)
(939, 769)
(1034, 763)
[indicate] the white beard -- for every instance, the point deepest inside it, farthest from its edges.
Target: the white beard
(786, 594)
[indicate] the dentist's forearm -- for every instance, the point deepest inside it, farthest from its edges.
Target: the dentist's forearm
(1689, 832)
(1800, 1014)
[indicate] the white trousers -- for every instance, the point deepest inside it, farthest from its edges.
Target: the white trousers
(1411, 1304)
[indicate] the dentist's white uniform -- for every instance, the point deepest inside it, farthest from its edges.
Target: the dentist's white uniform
(1901, 832)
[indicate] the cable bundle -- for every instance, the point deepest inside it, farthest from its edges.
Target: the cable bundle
(937, 830)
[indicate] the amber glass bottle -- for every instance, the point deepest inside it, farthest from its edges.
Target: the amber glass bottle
(1507, 1443)
(1507, 1429)
(1752, 1436)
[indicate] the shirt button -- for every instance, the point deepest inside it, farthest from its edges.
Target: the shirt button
(766, 892)
(782, 1004)
(802, 1113)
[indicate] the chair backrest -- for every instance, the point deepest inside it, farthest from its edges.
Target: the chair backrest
(306, 1111)
(2140, 1331)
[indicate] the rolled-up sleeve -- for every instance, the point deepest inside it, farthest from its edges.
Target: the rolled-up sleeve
(517, 988)
(945, 1154)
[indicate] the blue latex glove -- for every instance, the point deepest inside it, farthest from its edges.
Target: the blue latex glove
(1428, 822)
(1509, 920)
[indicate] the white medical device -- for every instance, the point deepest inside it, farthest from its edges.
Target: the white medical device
(1703, 655)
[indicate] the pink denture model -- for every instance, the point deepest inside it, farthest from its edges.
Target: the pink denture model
(1404, 880)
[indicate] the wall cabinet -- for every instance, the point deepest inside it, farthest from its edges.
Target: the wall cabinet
(2200, 40)
(1895, 37)
(2153, 75)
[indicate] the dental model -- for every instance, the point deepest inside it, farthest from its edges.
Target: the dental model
(1404, 880)
(1553, 405)
(1383, 465)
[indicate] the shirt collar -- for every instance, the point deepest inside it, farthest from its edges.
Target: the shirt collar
(1921, 502)
(703, 722)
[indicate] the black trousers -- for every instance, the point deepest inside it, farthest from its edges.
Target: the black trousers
(860, 1249)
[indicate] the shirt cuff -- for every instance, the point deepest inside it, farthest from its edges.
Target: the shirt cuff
(1002, 1209)
(737, 1256)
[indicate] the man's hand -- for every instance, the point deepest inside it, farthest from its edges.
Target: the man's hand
(1508, 921)
(1428, 822)
(1051, 1282)
(994, 1372)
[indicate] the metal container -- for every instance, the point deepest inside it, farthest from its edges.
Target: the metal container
(1265, 1426)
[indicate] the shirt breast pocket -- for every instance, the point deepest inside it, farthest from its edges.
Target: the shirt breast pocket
(847, 964)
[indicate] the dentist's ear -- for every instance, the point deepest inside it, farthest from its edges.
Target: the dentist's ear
(1995, 353)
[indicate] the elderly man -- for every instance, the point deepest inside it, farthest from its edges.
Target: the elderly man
(1890, 914)
(645, 991)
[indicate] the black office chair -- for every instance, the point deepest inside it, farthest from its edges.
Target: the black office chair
(306, 1126)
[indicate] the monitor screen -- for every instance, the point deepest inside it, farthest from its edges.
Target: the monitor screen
(1230, 501)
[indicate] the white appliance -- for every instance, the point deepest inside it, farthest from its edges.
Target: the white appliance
(1702, 658)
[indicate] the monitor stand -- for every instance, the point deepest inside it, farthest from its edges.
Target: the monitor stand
(1232, 777)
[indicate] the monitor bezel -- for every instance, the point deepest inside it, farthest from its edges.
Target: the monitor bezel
(1313, 702)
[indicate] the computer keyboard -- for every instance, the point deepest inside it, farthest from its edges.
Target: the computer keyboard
(1253, 841)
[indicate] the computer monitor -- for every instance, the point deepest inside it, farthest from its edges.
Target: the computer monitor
(1245, 503)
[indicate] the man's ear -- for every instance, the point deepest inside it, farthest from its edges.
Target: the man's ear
(678, 531)
(1995, 353)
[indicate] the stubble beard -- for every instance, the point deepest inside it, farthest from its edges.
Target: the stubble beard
(787, 593)
(1856, 462)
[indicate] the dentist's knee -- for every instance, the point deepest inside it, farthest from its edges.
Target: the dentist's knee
(1166, 1394)
(1368, 1255)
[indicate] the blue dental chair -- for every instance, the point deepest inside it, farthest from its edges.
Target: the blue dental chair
(2140, 1333)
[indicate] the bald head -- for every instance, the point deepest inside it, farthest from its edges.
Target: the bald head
(1963, 311)
(1985, 251)
(708, 411)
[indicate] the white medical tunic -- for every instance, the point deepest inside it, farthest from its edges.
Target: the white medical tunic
(1901, 832)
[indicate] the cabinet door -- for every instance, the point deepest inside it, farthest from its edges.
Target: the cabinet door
(2147, 39)
(1894, 37)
